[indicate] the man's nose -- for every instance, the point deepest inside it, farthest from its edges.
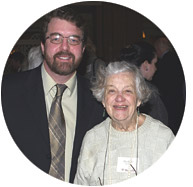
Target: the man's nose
(64, 45)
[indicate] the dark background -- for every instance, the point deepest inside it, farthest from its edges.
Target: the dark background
(111, 27)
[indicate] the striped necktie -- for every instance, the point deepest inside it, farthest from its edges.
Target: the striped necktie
(57, 131)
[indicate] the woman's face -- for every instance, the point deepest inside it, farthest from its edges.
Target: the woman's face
(151, 69)
(120, 98)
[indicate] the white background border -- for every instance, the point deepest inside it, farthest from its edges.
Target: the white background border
(174, 18)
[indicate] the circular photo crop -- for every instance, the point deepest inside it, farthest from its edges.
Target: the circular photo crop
(93, 93)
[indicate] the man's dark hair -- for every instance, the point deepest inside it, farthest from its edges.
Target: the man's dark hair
(68, 14)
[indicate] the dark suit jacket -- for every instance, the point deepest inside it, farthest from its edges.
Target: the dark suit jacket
(25, 114)
(155, 106)
(170, 81)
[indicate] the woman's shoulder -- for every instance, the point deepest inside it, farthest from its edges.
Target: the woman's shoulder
(94, 139)
(158, 127)
(99, 130)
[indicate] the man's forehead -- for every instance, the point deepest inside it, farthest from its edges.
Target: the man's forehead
(62, 24)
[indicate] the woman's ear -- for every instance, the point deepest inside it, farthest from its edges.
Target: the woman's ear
(42, 48)
(138, 103)
(145, 65)
(103, 103)
(144, 68)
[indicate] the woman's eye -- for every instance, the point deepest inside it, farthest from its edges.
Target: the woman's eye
(111, 91)
(128, 91)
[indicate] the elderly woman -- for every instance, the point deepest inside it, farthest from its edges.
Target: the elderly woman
(127, 142)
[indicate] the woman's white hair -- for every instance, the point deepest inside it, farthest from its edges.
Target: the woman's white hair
(98, 86)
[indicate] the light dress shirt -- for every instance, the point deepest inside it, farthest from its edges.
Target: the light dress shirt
(69, 106)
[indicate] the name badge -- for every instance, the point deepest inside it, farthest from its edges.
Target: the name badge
(126, 164)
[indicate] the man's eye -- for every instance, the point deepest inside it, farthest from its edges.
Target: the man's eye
(55, 39)
(74, 40)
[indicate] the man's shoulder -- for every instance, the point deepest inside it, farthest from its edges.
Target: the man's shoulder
(20, 78)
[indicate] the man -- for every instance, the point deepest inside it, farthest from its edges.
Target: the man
(27, 97)
(170, 81)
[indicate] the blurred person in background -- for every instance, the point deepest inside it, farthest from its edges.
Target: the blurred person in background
(34, 58)
(170, 81)
(143, 55)
(14, 63)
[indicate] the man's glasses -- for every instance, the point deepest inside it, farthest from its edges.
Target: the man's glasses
(57, 38)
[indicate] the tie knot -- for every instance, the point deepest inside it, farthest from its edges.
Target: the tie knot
(60, 89)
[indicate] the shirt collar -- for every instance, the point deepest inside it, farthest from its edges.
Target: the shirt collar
(49, 83)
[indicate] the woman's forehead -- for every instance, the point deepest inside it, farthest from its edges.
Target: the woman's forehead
(124, 78)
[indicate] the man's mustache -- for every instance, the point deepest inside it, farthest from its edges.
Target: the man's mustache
(66, 53)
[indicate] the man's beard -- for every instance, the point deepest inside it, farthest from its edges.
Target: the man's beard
(62, 68)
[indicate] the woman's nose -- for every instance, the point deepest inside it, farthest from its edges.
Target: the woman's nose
(120, 97)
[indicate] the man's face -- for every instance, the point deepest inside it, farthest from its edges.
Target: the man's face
(62, 58)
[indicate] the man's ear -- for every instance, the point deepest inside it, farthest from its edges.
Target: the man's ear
(83, 49)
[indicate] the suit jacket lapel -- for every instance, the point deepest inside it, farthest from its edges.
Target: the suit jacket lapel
(83, 108)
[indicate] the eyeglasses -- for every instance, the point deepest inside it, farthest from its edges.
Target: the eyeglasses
(57, 38)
